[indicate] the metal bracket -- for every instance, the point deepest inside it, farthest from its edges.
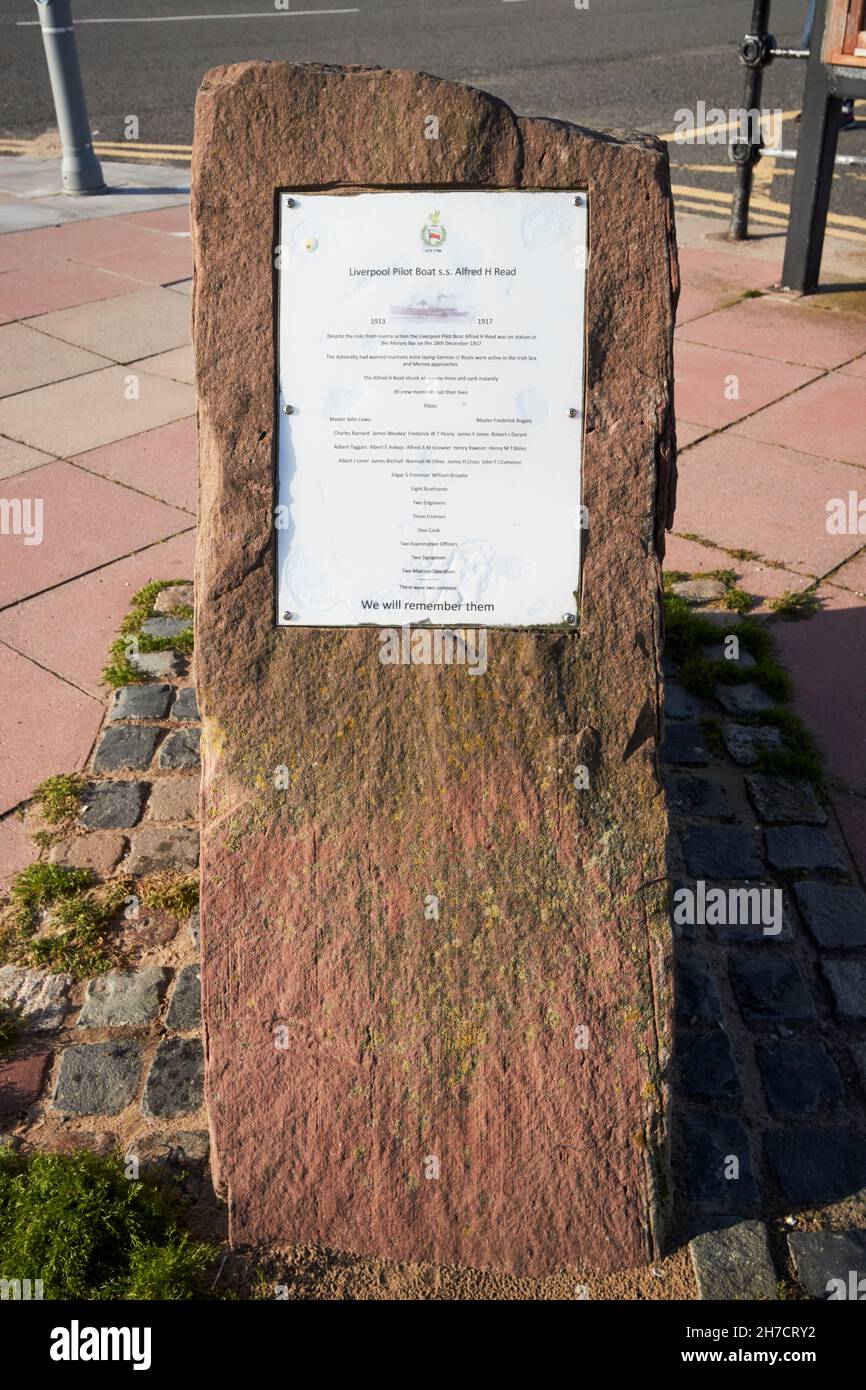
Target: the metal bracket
(756, 50)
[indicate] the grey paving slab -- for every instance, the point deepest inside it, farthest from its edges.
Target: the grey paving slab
(124, 328)
(72, 417)
(29, 358)
(19, 458)
(20, 215)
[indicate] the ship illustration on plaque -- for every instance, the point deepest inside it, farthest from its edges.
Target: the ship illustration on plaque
(440, 306)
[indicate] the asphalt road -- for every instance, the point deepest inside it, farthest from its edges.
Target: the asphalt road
(617, 63)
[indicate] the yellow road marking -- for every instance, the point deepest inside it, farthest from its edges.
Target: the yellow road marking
(694, 135)
(766, 204)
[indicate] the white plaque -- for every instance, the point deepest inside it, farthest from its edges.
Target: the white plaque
(430, 360)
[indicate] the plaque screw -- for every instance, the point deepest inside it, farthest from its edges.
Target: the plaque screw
(287, 617)
(578, 202)
(570, 618)
(288, 410)
(291, 203)
(572, 412)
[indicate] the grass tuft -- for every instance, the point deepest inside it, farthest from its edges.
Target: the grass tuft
(794, 607)
(76, 1222)
(171, 892)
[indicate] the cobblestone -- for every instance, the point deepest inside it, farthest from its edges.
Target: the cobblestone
(98, 1078)
(835, 916)
(770, 989)
(684, 745)
(100, 851)
(721, 852)
(779, 800)
(819, 1257)
(847, 981)
(112, 805)
(697, 996)
(126, 748)
(707, 1068)
(181, 749)
(816, 1165)
(173, 798)
(186, 704)
(734, 1263)
(679, 704)
(745, 742)
(158, 847)
(799, 1078)
(711, 1142)
(743, 699)
(41, 996)
(175, 1082)
(140, 701)
(800, 847)
(21, 1082)
(184, 1010)
(697, 796)
(125, 999)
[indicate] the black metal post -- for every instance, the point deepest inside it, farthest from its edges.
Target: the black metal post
(813, 173)
(755, 55)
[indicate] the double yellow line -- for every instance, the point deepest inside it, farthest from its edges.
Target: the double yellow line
(120, 150)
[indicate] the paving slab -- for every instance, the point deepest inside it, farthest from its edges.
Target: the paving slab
(29, 358)
(54, 285)
(826, 657)
(132, 326)
(19, 458)
(760, 580)
(33, 747)
(76, 538)
(856, 368)
(173, 219)
(851, 811)
(123, 246)
(48, 628)
(71, 417)
(733, 271)
(852, 574)
(790, 332)
(177, 364)
(696, 300)
(160, 462)
(783, 495)
(715, 386)
(826, 418)
(770, 988)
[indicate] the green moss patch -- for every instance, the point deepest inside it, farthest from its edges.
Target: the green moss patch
(76, 1222)
(61, 919)
(120, 669)
(689, 633)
